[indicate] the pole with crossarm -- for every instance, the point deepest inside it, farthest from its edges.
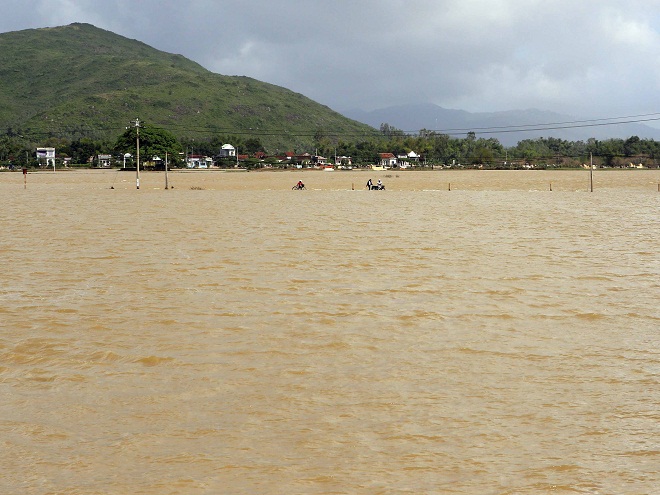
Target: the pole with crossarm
(137, 145)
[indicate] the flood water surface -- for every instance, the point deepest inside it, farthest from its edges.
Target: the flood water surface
(465, 332)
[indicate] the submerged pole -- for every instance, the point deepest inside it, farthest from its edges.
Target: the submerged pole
(591, 171)
(137, 146)
(166, 183)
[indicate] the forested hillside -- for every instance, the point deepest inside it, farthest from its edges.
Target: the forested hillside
(77, 88)
(80, 81)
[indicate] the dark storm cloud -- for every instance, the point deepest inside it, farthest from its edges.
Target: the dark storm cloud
(590, 57)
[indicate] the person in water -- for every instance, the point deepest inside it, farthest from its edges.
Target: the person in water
(369, 184)
(379, 185)
(300, 185)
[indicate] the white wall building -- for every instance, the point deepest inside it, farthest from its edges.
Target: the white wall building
(227, 151)
(199, 161)
(47, 156)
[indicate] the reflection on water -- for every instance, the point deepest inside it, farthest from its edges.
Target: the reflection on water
(241, 337)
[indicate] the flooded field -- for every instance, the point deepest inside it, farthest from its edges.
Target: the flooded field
(462, 332)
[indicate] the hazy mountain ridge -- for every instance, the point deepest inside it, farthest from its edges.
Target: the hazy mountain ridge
(82, 81)
(79, 80)
(458, 123)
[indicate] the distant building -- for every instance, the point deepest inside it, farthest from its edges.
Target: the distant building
(198, 161)
(227, 151)
(343, 160)
(387, 160)
(103, 161)
(319, 160)
(304, 159)
(46, 156)
(406, 160)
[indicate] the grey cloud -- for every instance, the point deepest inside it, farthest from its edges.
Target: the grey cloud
(592, 58)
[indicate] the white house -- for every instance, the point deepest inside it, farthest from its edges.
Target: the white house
(387, 160)
(198, 161)
(413, 157)
(47, 156)
(408, 159)
(343, 160)
(227, 151)
(103, 161)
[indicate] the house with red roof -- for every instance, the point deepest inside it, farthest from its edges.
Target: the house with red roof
(387, 159)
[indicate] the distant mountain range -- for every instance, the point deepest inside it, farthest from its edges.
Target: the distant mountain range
(81, 81)
(508, 127)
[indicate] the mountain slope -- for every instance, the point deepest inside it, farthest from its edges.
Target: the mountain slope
(520, 124)
(80, 80)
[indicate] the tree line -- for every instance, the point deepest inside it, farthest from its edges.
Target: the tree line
(18, 149)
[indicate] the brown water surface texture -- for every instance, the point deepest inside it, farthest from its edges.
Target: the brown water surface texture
(462, 332)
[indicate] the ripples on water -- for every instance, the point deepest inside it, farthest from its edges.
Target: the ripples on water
(246, 338)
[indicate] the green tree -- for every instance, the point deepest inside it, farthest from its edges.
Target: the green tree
(632, 146)
(81, 150)
(609, 150)
(253, 145)
(154, 141)
(389, 131)
(482, 155)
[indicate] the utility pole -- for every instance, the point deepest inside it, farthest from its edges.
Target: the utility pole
(591, 171)
(167, 185)
(137, 145)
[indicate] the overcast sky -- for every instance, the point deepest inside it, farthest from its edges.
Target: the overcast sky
(586, 58)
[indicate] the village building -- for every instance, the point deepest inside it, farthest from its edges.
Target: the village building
(103, 161)
(227, 151)
(198, 161)
(343, 161)
(405, 160)
(387, 160)
(319, 160)
(304, 159)
(46, 156)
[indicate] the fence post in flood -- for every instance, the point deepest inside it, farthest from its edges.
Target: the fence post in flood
(551, 186)
(591, 172)
(449, 187)
(137, 146)
(167, 185)
(25, 178)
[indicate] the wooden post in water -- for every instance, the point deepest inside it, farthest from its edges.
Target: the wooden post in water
(25, 178)
(591, 172)
(137, 145)
(551, 186)
(449, 187)
(167, 186)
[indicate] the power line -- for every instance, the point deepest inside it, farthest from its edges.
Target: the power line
(554, 125)
(340, 133)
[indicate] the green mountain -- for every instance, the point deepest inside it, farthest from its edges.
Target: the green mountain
(82, 81)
